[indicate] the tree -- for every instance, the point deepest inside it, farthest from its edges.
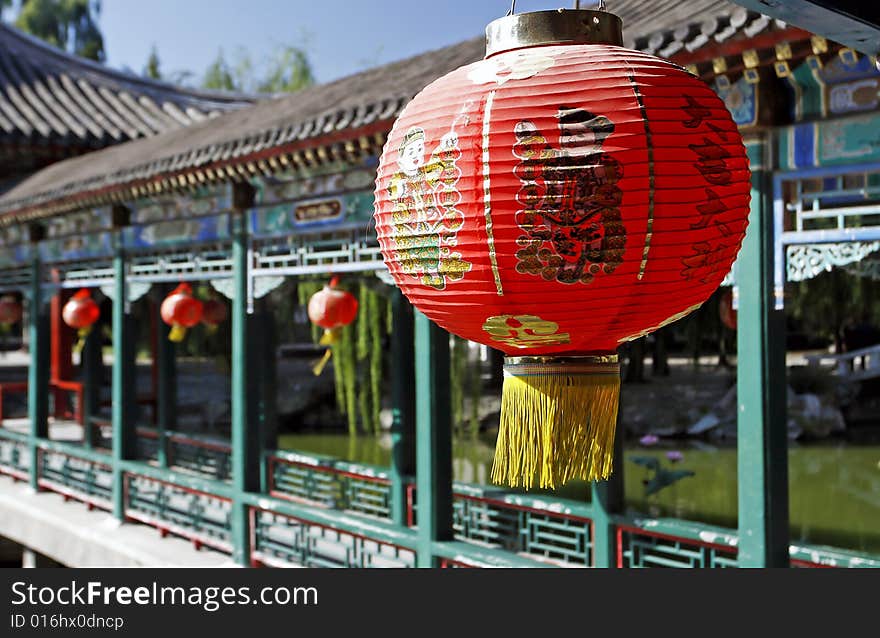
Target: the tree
(287, 70)
(219, 75)
(152, 70)
(71, 25)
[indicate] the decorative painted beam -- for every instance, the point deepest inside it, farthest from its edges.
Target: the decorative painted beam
(854, 23)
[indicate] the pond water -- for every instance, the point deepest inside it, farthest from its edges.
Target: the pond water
(834, 487)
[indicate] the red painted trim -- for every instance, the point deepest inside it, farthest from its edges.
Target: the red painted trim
(16, 474)
(331, 470)
(523, 508)
(796, 562)
(619, 534)
(727, 549)
(176, 530)
(188, 490)
(765, 40)
(68, 493)
(276, 151)
(331, 528)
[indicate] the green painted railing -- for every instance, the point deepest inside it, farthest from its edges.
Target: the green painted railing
(329, 482)
(76, 477)
(325, 512)
(14, 457)
(201, 516)
(200, 454)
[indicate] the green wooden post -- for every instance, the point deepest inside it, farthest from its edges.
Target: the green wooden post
(38, 370)
(245, 440)
(123, 408)
(166, 386)
(90, 360)
(433, 438)
(762, 445)
(265, 361)
(608, 499)
(403, 461)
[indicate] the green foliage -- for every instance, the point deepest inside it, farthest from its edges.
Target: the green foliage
(286, 70)
(822, 306)
(812, 380)
(152, 70)
(464, 381)
(219, 75)
(71, 25)
(358, 355)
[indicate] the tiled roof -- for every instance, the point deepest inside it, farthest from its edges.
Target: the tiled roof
(50, 97)
(361, 104)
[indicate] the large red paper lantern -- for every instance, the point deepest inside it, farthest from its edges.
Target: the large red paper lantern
(214, 313)
(10, 310)
(331, 309)
(181, 311)
(554, 201)
(81, 312)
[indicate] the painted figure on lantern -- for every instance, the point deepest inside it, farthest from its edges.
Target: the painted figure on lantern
(426, 219)
(571, 222)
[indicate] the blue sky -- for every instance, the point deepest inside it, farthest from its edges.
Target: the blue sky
(341, 36)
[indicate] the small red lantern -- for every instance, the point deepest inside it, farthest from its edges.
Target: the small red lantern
(81, 312)
(726, 311)
(331, 309)
(181, 311)
(555, 200)
(213, 314)
(10, 310)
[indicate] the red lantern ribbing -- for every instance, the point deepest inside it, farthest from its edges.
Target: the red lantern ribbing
(555, 200)
(81, 312)
(181, 311)
(331, 309)
(214, 313)
(10, 310)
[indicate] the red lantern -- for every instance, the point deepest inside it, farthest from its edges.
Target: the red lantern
(726, 311)
(10, 310)
(213, 314)
(81, 312)
(555, 202)
(181, 311)
(331, 309)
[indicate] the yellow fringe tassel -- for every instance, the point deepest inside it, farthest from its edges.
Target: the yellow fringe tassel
(329, 338)
(556, 427)
(177, 333)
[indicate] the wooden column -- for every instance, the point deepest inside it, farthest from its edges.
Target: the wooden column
(124, 399)
(38, 369)
(607, 501)
(166, 380)
(403, 430)
(92, 372)
(762, 444)
(433, 438)
(246, 438)
(61, 367)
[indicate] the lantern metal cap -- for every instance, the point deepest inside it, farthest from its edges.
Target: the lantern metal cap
(562, 26)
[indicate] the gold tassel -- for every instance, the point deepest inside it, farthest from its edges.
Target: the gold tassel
(558, 417)
(329, 338)
(177, 333)
(81, 335)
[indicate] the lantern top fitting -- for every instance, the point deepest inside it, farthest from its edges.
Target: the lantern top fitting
(561, 26)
